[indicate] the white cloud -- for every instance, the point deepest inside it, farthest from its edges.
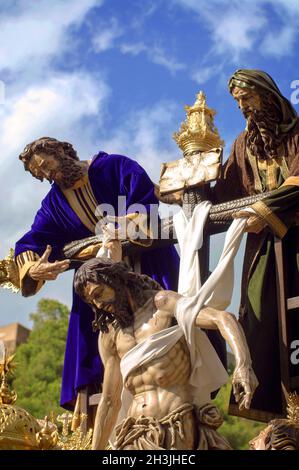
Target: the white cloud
(290, 7)
(146, 136)
(105, 39)
(203, 74)
(281, 43)
(158, 56)
(144, 13)
(59, 108)
(235, 36)
(155, 54)
(48, 108)
(30, 34)
(237, 28)
(133, 49)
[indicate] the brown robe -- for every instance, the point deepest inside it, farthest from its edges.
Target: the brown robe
(244, 175)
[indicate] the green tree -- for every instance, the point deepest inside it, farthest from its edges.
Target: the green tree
(37, 377)
(239, 431)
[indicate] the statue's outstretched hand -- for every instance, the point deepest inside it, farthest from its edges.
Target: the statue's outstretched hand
(244, 384)
(43, 270)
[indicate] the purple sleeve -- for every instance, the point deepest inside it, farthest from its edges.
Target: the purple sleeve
(44, 231)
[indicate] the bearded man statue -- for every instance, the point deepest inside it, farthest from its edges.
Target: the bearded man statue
(265, 157)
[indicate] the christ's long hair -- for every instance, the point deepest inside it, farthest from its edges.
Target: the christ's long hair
(121, 279)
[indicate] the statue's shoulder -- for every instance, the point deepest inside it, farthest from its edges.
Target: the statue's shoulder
(103, 158)
(240, 139)
(166, 300)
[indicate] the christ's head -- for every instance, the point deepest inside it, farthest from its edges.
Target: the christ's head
(112, 290)
(50, 159)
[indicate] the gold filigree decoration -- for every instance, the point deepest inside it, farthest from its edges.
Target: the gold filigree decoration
(21, 431)
(202, 148)
(7, 396)
(76, 440)
(293, 409)
(47, 437)
(198, 132)
(9, 274)
(18, 428)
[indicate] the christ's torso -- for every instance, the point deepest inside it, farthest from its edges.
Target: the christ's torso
(161, 385)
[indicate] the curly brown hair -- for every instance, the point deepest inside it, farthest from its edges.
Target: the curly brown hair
(49, 146)
(118, 276)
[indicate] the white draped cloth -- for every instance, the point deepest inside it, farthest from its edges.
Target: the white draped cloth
(208, 373)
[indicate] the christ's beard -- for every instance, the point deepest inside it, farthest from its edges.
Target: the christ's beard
(71, 172)
(118, 311)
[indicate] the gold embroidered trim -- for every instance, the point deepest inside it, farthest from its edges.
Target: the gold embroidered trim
(91, 195)
(270, 167)
(88, 252)
(257, 180)
(24, 262)
(83, 202)
(291, 181)
(74, 203)
(81, 182)
(141, 242)
(85, 205)
(284, 169)
(26, 257)
(278, 227)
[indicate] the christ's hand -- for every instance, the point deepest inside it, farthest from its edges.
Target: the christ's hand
(244, 384)
(43, 270)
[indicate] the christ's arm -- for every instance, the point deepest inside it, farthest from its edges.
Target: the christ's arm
(231, 330)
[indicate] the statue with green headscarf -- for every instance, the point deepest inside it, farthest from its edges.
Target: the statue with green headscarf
(265, 157)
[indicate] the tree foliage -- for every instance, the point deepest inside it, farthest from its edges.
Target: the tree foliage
(37, 378)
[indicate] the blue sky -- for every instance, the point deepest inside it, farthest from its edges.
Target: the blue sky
(115, 75)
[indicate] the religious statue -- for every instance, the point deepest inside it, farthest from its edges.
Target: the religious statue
(69, 213)
(265, 157)
(149, 373)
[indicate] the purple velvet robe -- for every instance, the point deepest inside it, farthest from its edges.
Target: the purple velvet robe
(56, 224)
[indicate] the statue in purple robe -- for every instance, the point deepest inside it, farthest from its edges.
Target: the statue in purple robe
(69, 213)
